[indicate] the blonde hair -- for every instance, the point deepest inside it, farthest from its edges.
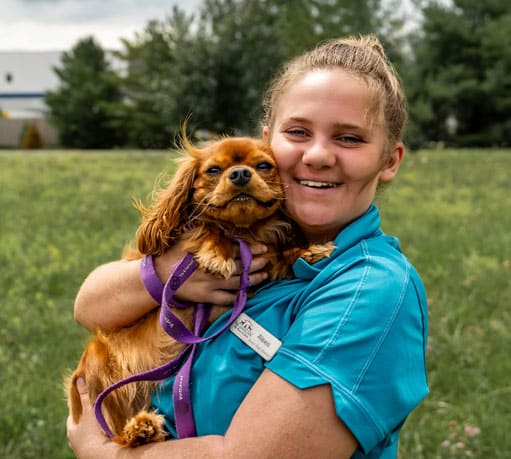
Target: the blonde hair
(363, 57)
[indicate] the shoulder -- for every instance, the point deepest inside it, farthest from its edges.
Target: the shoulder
(369, 301)
(373, 271)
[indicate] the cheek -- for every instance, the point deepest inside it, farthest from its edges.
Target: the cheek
(285, 159)
(202, 186)
(361, 168)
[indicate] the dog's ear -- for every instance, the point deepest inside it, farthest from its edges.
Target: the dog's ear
(167, 217)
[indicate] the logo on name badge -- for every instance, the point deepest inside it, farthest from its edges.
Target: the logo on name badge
(256, 337)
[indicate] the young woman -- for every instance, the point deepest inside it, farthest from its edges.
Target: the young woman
(353, 327)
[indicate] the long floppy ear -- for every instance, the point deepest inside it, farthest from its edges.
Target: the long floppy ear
(167, 217)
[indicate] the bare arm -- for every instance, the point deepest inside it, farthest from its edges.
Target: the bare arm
(114, 296)
(276, 419)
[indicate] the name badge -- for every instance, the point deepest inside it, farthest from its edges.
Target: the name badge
(255, 336)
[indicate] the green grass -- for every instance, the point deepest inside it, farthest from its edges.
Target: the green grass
(62, 214)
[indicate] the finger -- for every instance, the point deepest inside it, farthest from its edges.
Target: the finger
(255, 250)
(233, 283)
(258, 249)
(69, 424)
(83, 390)
(223, 297)
(258, 277)
(258, 263)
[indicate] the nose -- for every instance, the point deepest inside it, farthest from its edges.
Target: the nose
(240, 176)
(318, 155)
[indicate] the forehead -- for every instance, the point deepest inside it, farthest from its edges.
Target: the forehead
(329, 93)
(237, 151)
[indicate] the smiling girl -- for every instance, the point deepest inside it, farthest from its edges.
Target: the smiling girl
(352, 328)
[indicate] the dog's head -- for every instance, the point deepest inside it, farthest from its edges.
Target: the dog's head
(233, 181)
(237, 182)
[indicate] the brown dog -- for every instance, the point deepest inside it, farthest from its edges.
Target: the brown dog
(228, 189)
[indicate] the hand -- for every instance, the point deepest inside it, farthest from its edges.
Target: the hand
(85, 437)
(202, 287)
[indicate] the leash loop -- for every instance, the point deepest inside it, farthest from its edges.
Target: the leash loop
(174, 327)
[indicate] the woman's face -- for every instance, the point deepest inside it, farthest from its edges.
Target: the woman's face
(330, 151)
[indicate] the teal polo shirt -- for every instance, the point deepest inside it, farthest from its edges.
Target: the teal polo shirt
(356, 320)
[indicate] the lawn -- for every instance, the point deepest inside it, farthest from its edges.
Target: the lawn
(62, 214)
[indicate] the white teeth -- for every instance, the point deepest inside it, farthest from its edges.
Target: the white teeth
(314, 184)
(242, 197)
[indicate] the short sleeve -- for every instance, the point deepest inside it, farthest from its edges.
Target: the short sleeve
(361, 327)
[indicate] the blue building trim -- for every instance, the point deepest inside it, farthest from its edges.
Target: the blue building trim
(22, 95)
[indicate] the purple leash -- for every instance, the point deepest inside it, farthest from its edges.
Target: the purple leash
(172, 325)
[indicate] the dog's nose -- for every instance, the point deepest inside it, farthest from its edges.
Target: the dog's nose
(240, 176)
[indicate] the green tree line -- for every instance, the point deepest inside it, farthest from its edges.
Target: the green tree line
(213, 66)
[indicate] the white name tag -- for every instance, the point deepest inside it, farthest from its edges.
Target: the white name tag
(255, 336)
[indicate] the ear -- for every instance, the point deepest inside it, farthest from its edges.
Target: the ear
(169, 214)
(266, 133)
(391, 166)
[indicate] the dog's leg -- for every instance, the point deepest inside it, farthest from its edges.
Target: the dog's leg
(214, 252)
(145, 427)
(316, 252)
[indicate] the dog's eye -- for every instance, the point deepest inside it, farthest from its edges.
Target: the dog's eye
(264, 166)
(213, 170)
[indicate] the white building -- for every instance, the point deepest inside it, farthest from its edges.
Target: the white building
(25, 77)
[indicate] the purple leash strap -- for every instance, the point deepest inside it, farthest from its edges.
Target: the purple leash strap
(183, 414)
(157, 374)
(173, 325)
(185, 424)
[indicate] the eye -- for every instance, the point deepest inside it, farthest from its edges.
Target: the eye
(350, 139)
(213, 170)
(298, 132)
(264, 166)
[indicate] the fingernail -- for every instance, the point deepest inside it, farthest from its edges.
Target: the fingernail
(80, 382)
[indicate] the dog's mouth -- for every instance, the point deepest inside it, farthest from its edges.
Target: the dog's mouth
(245, 198)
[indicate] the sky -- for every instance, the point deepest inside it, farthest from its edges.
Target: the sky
(56, 25)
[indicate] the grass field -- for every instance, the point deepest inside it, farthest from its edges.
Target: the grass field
(62, 214)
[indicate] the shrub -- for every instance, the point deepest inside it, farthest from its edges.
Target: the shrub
(31, 138)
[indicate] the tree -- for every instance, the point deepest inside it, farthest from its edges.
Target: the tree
(214, 67)
(251, 39)
(244, 52)
(166, 79)
(80, 105)
(462, 91)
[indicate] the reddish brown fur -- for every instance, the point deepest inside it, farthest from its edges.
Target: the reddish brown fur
(200, 207)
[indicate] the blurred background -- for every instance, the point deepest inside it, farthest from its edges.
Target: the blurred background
(119, 73)
(92, 96)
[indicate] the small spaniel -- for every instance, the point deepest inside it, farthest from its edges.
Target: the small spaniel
(229, 189)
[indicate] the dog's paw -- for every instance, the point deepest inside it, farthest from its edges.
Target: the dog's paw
(316, 252)
(145, 427)
(217, 265)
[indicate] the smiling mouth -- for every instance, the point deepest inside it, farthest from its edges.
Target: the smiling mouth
(314, 184)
